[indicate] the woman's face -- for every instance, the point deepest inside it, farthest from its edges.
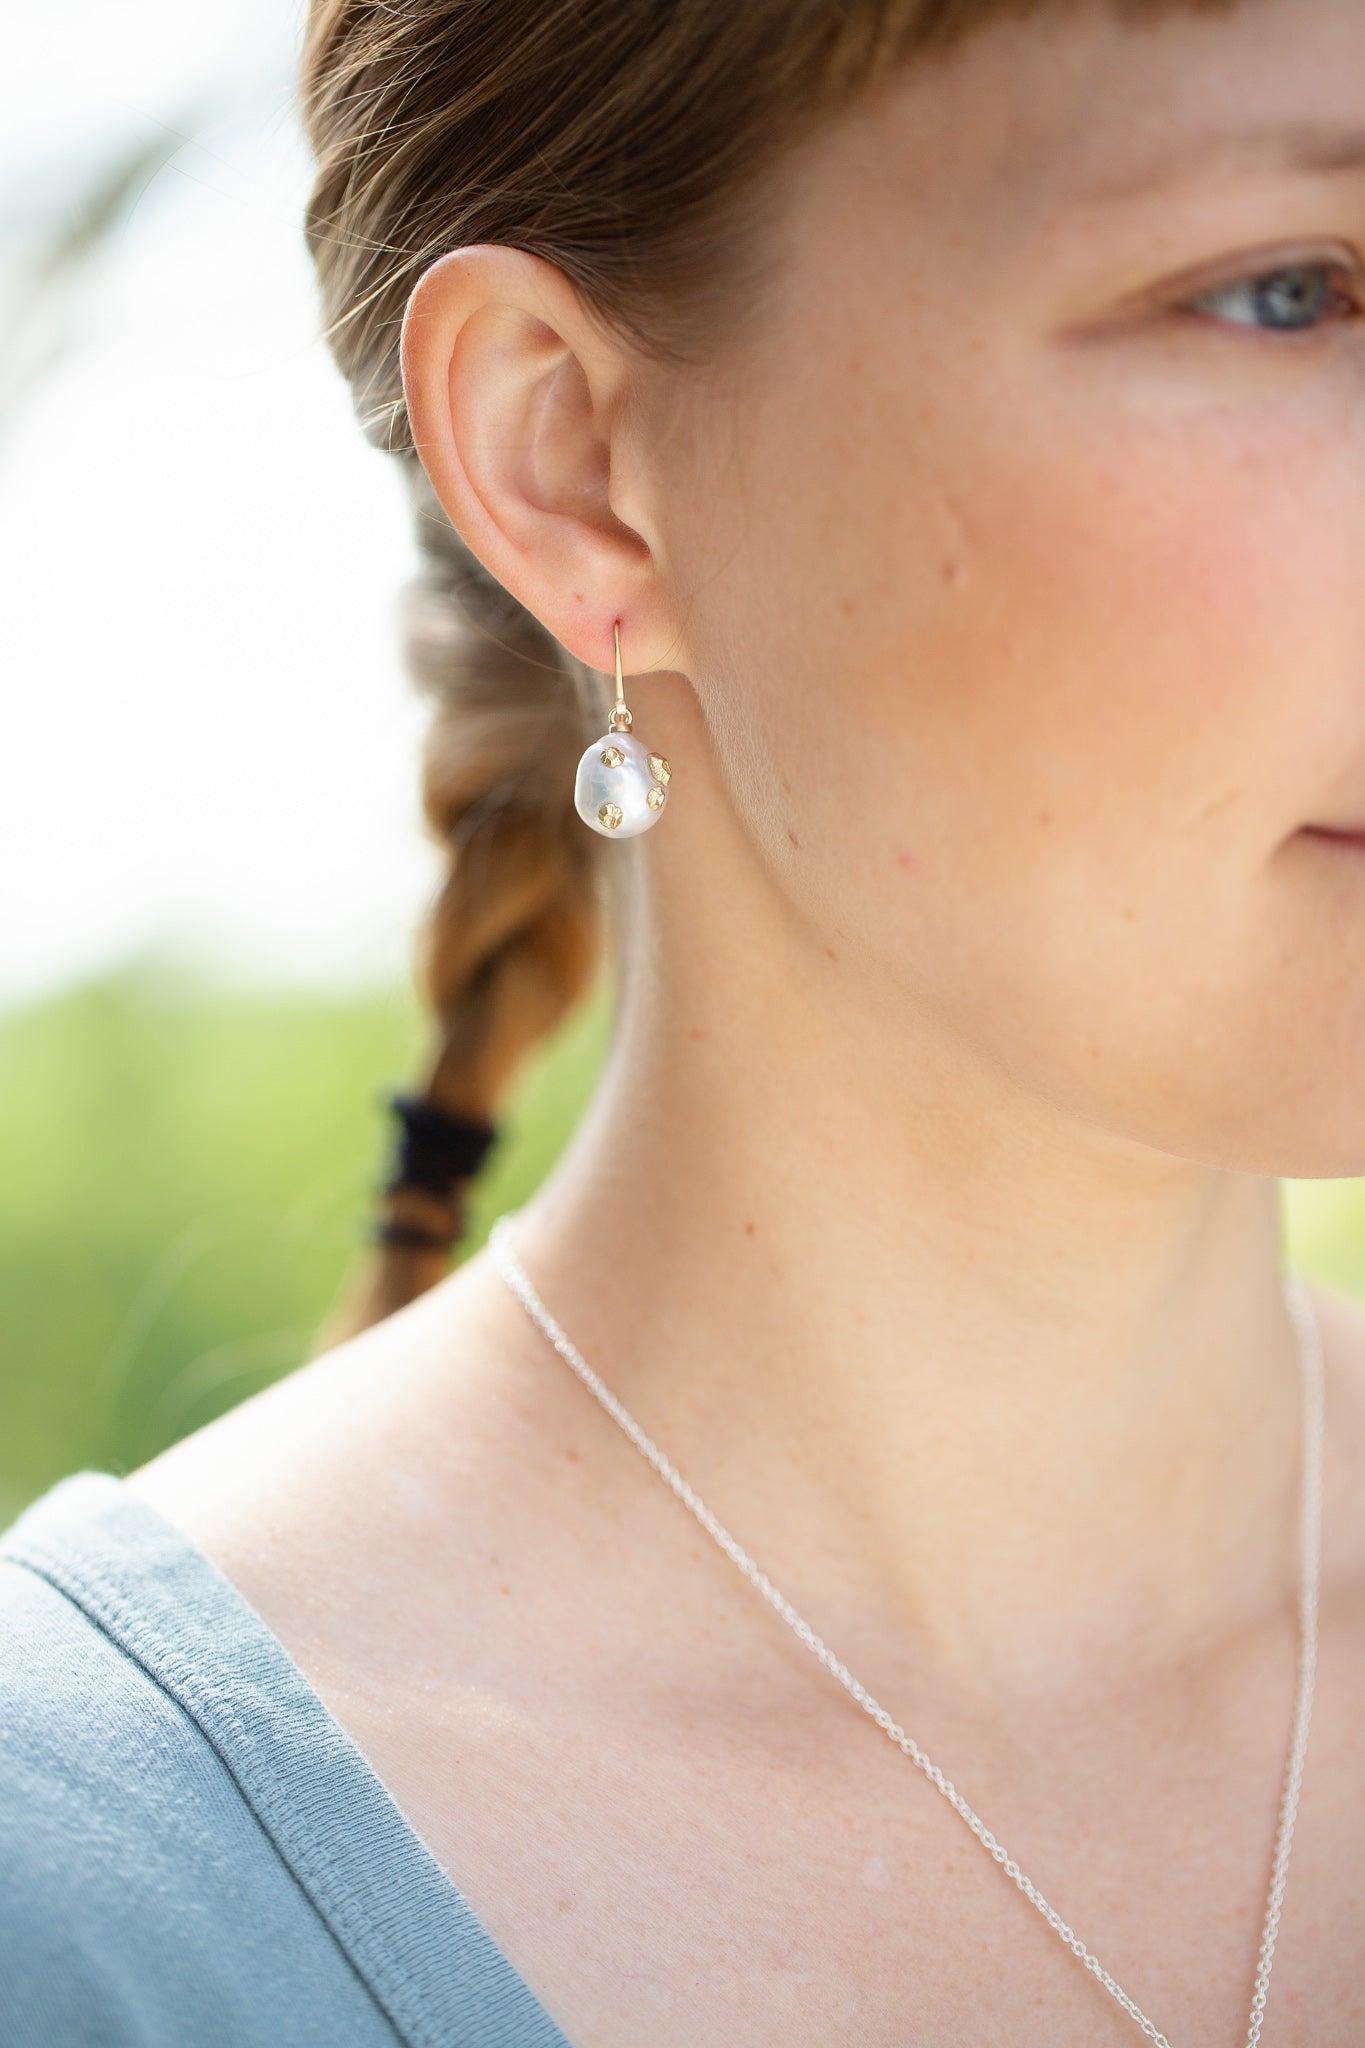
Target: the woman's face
(1028, 613)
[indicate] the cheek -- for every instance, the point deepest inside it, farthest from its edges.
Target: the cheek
(1166, 654)
(1077, 656)
(1025, 722)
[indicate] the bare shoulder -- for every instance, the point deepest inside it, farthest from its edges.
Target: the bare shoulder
(390, 1456)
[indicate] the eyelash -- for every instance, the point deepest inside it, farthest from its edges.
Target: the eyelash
(1251, 281)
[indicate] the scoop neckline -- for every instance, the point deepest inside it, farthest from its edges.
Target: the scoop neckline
(400, 1919)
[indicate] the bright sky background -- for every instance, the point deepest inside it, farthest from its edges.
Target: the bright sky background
(207, 741)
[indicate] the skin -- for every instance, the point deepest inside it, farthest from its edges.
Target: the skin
(998, 608)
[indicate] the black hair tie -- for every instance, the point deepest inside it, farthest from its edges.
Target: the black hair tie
(435, 1148)
(412, 1236)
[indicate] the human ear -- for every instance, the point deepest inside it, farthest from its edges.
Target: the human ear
(518, 405)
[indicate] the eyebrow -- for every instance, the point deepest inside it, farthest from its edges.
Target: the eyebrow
(1293, 146)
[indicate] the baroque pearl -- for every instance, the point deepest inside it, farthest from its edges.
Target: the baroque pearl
(621, 787)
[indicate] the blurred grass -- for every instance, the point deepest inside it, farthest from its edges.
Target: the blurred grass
(188, 1172)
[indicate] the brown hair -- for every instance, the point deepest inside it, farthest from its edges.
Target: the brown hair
(625, 141)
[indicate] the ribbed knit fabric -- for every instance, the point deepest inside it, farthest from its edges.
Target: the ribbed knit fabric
(193, 1853)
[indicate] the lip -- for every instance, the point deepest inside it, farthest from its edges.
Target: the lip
(1338, 835)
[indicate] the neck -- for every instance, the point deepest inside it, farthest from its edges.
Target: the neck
(941, 1355)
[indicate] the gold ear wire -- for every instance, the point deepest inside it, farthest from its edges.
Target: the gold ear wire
(620, 717)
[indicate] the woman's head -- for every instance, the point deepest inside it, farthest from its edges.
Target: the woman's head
(982, 533)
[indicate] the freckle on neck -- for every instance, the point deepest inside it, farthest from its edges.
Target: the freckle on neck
(905, 861)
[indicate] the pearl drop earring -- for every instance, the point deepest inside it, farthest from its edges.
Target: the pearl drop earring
(621, 787)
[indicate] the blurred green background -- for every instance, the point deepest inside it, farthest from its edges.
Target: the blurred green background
(189, 1170)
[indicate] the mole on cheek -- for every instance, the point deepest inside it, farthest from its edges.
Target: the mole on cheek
(905, 861)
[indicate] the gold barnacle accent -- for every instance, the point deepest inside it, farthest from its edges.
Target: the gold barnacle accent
(612, 757)
(659, 769)
(611, 815)
(654, 797)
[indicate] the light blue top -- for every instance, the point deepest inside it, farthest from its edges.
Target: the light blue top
(193, 1853)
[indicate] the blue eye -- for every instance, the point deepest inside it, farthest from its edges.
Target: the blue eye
(1288, 301)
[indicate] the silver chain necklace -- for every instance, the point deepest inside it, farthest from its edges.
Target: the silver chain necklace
(1310, 1354)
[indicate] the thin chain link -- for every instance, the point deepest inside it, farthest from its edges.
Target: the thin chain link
(1310, 1542)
